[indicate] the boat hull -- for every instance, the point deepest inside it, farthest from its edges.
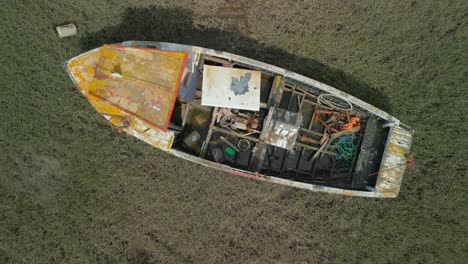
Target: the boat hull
(396, 153)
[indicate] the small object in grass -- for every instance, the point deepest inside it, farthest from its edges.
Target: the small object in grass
(67, 30)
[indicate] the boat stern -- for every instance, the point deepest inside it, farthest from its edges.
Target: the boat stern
(395, 159)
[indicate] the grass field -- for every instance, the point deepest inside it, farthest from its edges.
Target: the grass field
(72, 190)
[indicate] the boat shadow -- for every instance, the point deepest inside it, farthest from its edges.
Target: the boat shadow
(177, 25)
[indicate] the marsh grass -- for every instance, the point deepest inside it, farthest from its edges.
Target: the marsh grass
(73, 190)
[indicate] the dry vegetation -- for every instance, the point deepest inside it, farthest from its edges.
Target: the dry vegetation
(72, 190)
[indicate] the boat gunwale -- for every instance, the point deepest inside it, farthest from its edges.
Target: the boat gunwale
(277, 180)
(273, 69)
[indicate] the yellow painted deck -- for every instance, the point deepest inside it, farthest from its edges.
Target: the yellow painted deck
(134, 88)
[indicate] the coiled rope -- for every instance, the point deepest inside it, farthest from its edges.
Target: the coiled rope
(326, 99)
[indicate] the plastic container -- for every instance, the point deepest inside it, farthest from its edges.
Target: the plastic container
(229, 151)
(67, 30)
(192, 141)
(243, 144)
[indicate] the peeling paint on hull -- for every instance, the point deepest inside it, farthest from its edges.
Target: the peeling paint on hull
(81, 70)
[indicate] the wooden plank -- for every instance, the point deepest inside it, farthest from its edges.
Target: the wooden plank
(258, 157)
(292, 97)
(210, 133)
(227, 131)
(346, 132)
(313, 148)
(299, 91)
(225, 63)
(370, 153)
(300, 103)
(187, 110)
(317, 104)
(312, 132)
(276, 92)
(307, 139)
(321, 149)
(356, 155)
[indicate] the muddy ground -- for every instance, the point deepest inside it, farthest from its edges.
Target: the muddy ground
(72, 190)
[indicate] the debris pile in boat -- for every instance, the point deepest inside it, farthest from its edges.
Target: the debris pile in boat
(276, 127)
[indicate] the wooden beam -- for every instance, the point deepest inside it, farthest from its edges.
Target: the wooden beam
(317, 104)
(322, 148)
(345, 132)
(227, 131)
(225, 63)
(276, 91)
(291, 98)
(210, 132)
(187, 110)
(312, 132)
(300, 91)
(304, 138)
(259, 153)
(313, 148)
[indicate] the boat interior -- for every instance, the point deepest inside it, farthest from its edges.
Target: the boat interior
(299, 133)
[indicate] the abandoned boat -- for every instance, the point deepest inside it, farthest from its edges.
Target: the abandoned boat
(245, 117)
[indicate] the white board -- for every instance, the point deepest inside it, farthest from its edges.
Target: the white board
(231, 88)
